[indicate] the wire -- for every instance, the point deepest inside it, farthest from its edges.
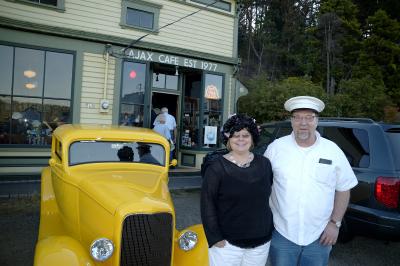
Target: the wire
(168, 24)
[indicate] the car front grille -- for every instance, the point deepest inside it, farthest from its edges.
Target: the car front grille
(147, 240)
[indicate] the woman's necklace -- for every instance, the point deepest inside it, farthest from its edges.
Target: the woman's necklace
(241, 165)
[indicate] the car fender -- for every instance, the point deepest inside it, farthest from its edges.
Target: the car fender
(198, 256)
(60, 251)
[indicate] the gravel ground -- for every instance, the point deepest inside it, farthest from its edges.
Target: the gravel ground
(20, 220)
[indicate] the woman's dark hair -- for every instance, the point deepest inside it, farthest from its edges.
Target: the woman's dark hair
(125, 154)
(238, 122)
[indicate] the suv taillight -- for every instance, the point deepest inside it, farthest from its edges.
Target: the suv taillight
(387, 190)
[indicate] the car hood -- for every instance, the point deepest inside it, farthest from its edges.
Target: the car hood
(115, 189)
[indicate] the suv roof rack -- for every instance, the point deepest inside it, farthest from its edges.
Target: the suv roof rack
(348, 119)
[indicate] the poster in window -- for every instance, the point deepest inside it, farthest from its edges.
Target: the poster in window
(210, 135)
(211, 92)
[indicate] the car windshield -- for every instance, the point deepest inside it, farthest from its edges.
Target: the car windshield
(394, 139)
(83, 152)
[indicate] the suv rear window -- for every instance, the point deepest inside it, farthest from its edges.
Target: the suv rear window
(354, 143)
(394, 139)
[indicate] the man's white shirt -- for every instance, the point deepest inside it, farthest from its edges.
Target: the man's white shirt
(169, 121)
(305, 181)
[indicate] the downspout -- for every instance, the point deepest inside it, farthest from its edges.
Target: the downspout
(104, 103)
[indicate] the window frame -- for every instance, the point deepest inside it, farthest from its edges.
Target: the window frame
(200, 137)
(208, 2)
(60, 4)
(141, 6)
(42, 97)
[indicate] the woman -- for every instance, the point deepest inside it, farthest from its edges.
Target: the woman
(235, 211)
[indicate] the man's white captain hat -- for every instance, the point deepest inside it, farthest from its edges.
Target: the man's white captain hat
(304, 102)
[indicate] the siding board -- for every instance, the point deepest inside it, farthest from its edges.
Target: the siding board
(206, 31)
(92, 88)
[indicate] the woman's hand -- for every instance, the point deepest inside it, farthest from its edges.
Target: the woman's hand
(220, 244)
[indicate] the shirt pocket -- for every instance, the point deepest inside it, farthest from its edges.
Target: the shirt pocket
(325, 175)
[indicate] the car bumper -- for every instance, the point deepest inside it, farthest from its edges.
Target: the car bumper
(372, 222)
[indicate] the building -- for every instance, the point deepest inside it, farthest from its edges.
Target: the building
(114, 62)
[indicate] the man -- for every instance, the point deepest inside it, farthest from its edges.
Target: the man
(163, 129)
(145, 154)
(311, 189)
(169, 121)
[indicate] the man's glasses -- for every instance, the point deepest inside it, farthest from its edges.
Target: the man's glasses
(307, 118)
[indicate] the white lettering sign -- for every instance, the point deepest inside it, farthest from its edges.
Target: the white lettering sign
(171, 60)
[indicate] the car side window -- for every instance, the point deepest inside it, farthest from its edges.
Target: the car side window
(354, 143)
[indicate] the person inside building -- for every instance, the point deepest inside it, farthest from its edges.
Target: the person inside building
(311, 191)
(170, 122)
(235, 211)
(145, 154)
(161, 128)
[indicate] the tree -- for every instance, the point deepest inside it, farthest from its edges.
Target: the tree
(339, 33)
(380, 55)
(265, 101)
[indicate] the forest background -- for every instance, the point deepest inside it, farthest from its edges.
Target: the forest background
(345, 52)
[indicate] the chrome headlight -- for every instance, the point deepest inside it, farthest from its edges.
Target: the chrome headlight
(187, 240)
(101, 249)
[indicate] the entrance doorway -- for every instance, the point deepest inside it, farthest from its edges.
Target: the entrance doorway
(160, 100)
(171, 101)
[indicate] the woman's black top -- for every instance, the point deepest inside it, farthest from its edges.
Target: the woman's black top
(235, 202)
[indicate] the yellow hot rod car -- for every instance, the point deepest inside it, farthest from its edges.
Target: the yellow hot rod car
(105, 201)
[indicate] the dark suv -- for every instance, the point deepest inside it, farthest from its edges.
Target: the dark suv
(373, 150)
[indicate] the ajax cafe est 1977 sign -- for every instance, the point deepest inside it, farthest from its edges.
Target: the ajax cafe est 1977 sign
(170, 59)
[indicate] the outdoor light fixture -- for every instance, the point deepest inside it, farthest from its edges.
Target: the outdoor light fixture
(176, 71)
(29, 73)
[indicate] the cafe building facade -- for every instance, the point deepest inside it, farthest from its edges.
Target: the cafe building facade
(114, 62)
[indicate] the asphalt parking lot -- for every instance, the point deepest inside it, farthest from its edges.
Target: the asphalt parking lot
(20, 219)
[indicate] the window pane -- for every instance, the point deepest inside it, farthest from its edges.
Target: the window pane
(58, 79)
(26, 121)
(6, 66)
(191, 110)
(212, 107)
(55, 113)
(394, 140)
(159, 80)
(132, 17)
(133, 83)
(5, 119)
(28, 72)
(213, 87)
(216, 4)
(146, 20)
(101, 151)
(171, 82)
(49, 2)
(45, 2)
(353, 142)
(139, 18)
(131, 115)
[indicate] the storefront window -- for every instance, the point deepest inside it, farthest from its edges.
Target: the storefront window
(191, 111)
(212, 111)
(207, 117)
(132, 96)
(39, 97)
